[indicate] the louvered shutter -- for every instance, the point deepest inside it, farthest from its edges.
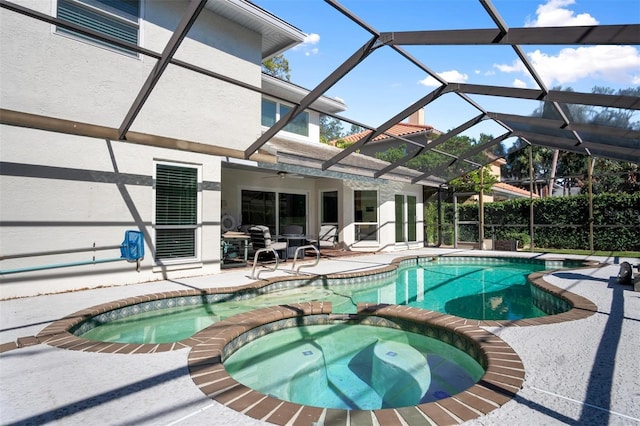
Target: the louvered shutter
(115, 18)
(176, 211)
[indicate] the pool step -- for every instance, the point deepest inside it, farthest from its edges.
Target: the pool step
(349, 389)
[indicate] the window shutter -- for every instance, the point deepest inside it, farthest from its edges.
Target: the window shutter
(176, 211)
(176, 195)
(119, 20)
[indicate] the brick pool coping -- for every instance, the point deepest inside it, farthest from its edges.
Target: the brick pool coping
(503, 377)
(58, 333)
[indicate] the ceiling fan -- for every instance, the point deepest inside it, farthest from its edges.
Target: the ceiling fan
(282, 175)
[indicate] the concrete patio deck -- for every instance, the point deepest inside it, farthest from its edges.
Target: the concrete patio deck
(577, 372)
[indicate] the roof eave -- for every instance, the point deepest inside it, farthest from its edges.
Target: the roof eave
(277, 34)
(294, 93)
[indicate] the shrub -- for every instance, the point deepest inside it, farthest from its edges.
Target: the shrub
(562, 222)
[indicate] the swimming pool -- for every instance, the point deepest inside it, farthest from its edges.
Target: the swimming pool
(475, 288)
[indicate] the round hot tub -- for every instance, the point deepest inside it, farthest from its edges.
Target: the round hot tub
(300, 363)
(347, 365)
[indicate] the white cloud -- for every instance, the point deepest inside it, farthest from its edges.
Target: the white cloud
(519, 83)
(516, 66)
(308, 46)
(452, 76)
(614, 64)
(553, 13)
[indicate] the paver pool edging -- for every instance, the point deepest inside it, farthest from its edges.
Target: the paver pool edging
(59, 333)
(503, 377)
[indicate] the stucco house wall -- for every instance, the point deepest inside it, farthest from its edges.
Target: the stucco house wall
(75, 193)
(63, 192)
(87, 83)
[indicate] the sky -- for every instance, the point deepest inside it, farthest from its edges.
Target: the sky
(385, 83)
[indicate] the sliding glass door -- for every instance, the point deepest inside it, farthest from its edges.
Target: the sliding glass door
(261, 208)
(292, 210)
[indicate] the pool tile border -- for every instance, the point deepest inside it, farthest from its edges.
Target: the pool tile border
(60, 333)
(504, 371)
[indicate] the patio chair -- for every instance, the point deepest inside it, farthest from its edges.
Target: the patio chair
(327, 237)
(261, 238)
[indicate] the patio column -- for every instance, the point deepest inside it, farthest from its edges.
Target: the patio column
(481, 210)
(590, 187)
(455, 221)
(531, 196)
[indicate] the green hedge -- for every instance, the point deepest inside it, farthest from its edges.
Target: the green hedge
(562, 222)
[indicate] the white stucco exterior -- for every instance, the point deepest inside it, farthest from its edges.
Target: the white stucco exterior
(66, 199)
(62, 192)
(60, 76)
(75, 193)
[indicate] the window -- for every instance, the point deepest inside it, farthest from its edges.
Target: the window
(176, 218)
(365, 207)
(405, 226)
(299, 125)
(269, 112)
(273, 111)
(115, 18)
(329, 208)
(399, 218)
(411, 218)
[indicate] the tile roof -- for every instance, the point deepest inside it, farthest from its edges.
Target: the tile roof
(400, 129)
(505, 187)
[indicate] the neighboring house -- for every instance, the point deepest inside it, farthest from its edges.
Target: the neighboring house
(96, 141)
(502, 191)
(414, 129)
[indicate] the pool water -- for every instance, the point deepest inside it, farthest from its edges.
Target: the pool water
(169, 325)
(353, 367)
(476, 290)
